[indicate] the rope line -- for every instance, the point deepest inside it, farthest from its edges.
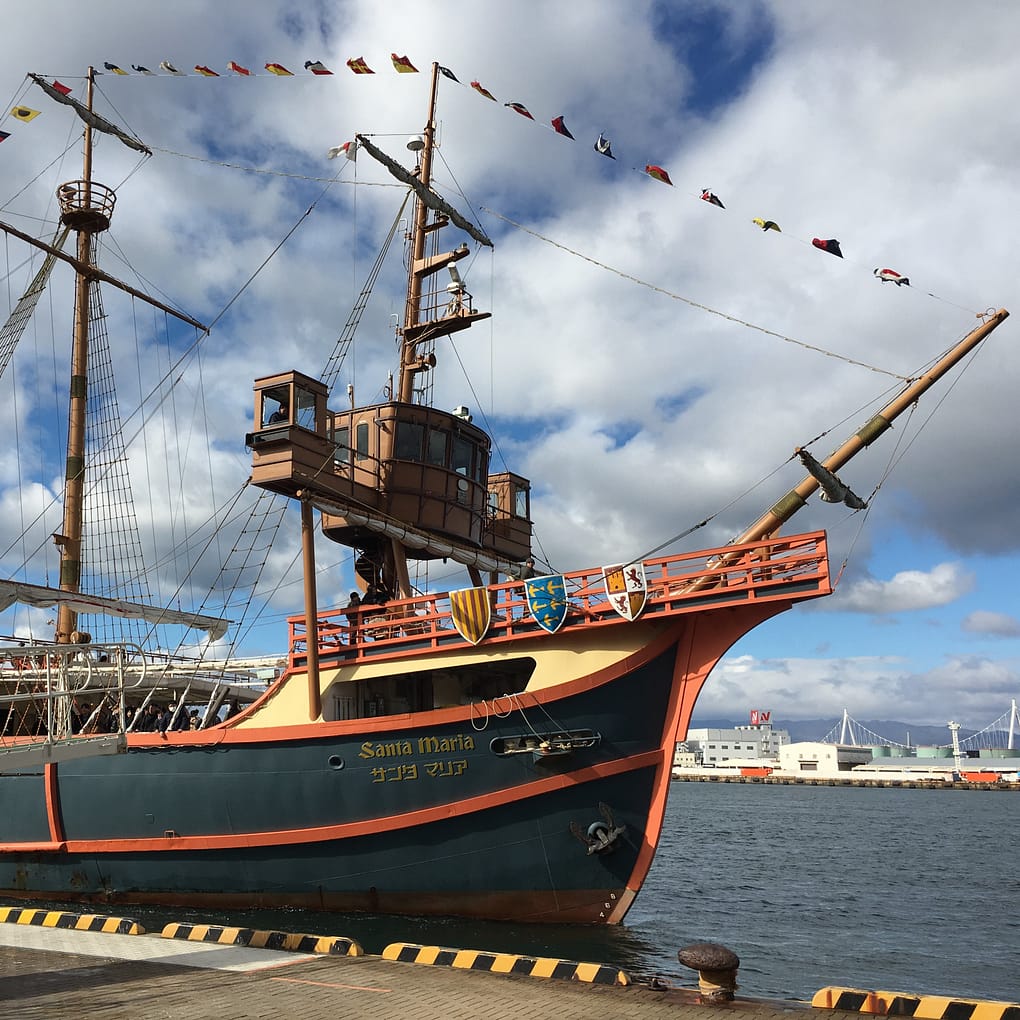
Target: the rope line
(691, 302)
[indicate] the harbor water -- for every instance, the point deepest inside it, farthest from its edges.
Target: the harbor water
(911, 890)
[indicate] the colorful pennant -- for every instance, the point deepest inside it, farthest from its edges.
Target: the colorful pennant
(278, 69)
(317, 67)
(237, 68)
(24, 113)
(358, 66)
(402, 65)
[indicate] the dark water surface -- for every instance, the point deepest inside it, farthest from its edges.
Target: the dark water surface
(900, 890)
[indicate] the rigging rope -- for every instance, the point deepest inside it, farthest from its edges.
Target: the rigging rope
(692, 303)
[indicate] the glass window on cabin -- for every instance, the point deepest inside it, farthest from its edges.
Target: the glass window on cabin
(410, 437)
(493, 503)
(463, 455)
(437, 447)
(361, 440)
(275, 407)
(342, 449)
(305, 411)
(521, 502)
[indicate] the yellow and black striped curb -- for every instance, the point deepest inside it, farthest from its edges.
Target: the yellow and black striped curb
(288, 941)
(504, 963)
(924, 1007)
(80, 922)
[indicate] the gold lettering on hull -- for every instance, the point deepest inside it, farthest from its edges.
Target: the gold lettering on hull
(427, 745)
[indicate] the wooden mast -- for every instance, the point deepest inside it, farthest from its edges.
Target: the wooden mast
(69, 540)
(412, 311)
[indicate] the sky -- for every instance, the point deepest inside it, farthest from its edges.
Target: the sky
(652, 361)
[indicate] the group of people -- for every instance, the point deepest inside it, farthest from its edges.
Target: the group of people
(157, 718)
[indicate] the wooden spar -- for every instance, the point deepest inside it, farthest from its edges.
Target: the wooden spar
(95, 273)
(412, 309)
(311, 611)
(782, 511)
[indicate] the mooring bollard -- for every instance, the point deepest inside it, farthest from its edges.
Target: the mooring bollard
(717, 969)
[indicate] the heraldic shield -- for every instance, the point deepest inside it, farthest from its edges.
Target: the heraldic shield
(626, 588)
(471, 613)
(547, 600)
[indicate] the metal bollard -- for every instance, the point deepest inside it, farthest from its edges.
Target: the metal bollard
(717, 969)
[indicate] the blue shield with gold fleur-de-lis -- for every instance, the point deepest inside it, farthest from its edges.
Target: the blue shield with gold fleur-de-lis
(547, 600)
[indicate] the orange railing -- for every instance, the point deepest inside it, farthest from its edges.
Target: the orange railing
(766, 570)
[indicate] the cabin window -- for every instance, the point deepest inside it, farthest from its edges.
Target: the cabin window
(410, 437)
(361, 440)
(275, 408)
(342, 452)
(305, 410)
(493, 503)
(521, 503)
(437, 447)
(463, 454)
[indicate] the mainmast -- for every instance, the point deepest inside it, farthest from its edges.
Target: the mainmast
(86, 207)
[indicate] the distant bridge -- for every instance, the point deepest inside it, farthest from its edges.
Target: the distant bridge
(1003, 733)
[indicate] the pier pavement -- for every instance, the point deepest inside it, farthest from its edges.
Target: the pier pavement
(50, 972)
(55, 965)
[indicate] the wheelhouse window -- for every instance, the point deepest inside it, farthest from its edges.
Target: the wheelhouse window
(521, 502)
(305, 409)
(436, 453)
(342, 449)
(462, 460)
(361, 440)
(410, 437)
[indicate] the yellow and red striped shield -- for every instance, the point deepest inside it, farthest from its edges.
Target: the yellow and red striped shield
(471, 613)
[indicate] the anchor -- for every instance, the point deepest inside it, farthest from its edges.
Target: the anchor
(601, 836)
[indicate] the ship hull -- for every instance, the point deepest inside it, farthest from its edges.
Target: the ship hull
(544, 804)
(423, 817)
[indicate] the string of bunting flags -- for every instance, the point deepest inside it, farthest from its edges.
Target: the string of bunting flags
(402, 64)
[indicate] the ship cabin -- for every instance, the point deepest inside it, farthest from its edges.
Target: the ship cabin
(408, 464)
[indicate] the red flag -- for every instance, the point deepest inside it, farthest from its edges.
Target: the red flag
(278, 69)
(62, 89)
(207, 71)
(560, 128)
(831, 246)
(237, 68)
(402, 65)
(658, 173)
(477, 86)
(520, 108)
(358, 66)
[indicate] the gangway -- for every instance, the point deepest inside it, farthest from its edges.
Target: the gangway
(46, 689)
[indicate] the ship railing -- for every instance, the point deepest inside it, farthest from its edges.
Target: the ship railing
(792, 568)
(63, 701)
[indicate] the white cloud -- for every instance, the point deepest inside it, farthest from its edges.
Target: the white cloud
(982, 621)
(906, 591)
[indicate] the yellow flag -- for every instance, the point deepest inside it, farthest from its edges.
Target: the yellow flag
(24, 113)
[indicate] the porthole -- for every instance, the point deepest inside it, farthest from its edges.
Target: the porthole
(336, 762)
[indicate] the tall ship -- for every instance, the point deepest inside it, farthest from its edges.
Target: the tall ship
(502, 750)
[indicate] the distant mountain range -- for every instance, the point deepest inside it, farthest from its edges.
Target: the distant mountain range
(815, 729)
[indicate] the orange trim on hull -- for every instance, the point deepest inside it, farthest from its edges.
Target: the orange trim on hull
(52, 802)
(704, 641)
(366, 827)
